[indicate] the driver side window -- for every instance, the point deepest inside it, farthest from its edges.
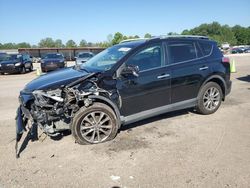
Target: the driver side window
(148, 58)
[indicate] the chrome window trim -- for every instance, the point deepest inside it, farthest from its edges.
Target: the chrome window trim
(181, 62)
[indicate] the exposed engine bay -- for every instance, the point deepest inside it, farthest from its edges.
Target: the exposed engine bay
(53, 110)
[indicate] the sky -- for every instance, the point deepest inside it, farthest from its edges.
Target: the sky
(93, 20)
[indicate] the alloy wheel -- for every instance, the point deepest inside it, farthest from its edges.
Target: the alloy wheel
(96, 127)
(211, 98)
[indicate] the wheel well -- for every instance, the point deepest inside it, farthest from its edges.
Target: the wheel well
(105, 102)
(220, 83)
(115, 110)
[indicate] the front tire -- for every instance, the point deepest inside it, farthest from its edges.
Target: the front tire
(23, 70)
(95, 124)
(209, 98)
(31, 68)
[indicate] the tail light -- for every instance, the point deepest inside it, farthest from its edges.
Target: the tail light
(225, 60)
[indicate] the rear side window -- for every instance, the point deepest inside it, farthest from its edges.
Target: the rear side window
(206, 47)
(182, 51)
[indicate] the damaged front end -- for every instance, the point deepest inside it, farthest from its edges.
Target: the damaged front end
(53, 109)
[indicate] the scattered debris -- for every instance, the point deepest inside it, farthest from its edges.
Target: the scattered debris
(35, 171)
(115, 178)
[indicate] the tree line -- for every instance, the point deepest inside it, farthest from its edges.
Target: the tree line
(236, 35)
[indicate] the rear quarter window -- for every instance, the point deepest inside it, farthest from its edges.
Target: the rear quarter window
(206, 47)
(182, 51)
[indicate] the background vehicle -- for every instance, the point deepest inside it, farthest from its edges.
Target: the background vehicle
(237, 51)
(126, 83)
(82, 57)
(15, 63)
(247, 50)
(2, 56)
(52, 61)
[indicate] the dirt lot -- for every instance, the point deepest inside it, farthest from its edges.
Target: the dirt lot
(180, 149)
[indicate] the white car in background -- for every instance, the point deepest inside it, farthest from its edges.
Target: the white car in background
(82, 57)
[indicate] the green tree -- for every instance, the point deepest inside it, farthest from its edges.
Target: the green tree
(242, 34)
(23, 45)
(124, 37)
(9, 46)
(71, 44)
(83, 43)
(104, 44)
(147, 35)
(173, 33)
(46, 43)
(58, 43)
(118, 37)
(185, 32)
(110, 38)
(214, 31)
(90, 44)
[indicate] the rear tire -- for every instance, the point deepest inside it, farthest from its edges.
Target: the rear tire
(95, 124)
(209, 98)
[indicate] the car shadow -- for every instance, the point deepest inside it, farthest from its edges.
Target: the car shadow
(62, 134)
(157, 118)
(244, 78)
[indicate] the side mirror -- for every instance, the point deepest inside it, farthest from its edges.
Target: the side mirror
(130, 70)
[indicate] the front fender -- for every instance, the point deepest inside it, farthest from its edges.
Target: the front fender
(110, 103)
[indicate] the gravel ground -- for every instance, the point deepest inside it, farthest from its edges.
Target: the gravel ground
(178, 149)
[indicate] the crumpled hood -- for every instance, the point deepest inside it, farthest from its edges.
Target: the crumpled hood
(55, 79)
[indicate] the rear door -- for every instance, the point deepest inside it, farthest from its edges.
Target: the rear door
(151, 89)
(188, 69)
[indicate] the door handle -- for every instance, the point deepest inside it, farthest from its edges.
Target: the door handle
(163, 76)
(203, 68)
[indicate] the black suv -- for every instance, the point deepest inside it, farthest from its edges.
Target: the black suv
(126, 83)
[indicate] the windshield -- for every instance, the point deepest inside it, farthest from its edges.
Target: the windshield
(107, 58)
(53, 56)
(9, 57)
(84, 55)
(2, 57)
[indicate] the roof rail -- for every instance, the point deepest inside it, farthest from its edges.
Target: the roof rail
(181, 36)
(136, 39)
